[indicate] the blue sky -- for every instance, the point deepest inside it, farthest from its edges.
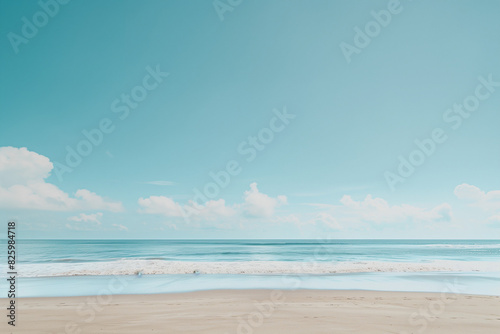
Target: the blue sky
(321, 171)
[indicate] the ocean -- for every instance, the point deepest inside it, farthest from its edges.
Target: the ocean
(88, 267)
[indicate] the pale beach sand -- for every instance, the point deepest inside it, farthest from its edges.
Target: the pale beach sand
(284, 311)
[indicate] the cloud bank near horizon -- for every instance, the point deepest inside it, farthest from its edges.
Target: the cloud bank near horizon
(24, 186)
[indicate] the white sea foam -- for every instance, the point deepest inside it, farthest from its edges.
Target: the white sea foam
(462, 246)
(153, 267)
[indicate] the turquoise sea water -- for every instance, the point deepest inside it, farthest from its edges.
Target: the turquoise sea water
(57, 267)
(64, 251)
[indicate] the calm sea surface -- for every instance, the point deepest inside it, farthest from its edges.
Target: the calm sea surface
(44, 251)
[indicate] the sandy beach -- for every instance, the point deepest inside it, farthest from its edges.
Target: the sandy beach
(260, 311)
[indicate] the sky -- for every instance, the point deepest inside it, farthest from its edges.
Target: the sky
(250, 119)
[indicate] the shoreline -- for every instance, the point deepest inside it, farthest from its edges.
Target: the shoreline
(284, 290)
(261, 311)
(468, 283)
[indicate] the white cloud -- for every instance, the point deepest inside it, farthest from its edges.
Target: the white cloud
(161, 183)
(348, 214)
(488, 201)
(20, 166)
(121, 227)
(258, 204)
(166, 206)
(291, 218)
(161, 205)
(213, 210)
(84, 222)
(378, 210)
(76, 227)
(82, 217)
(23, 185)
(92, 201)
(494, 221)
(327, 220)
(171, 226)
